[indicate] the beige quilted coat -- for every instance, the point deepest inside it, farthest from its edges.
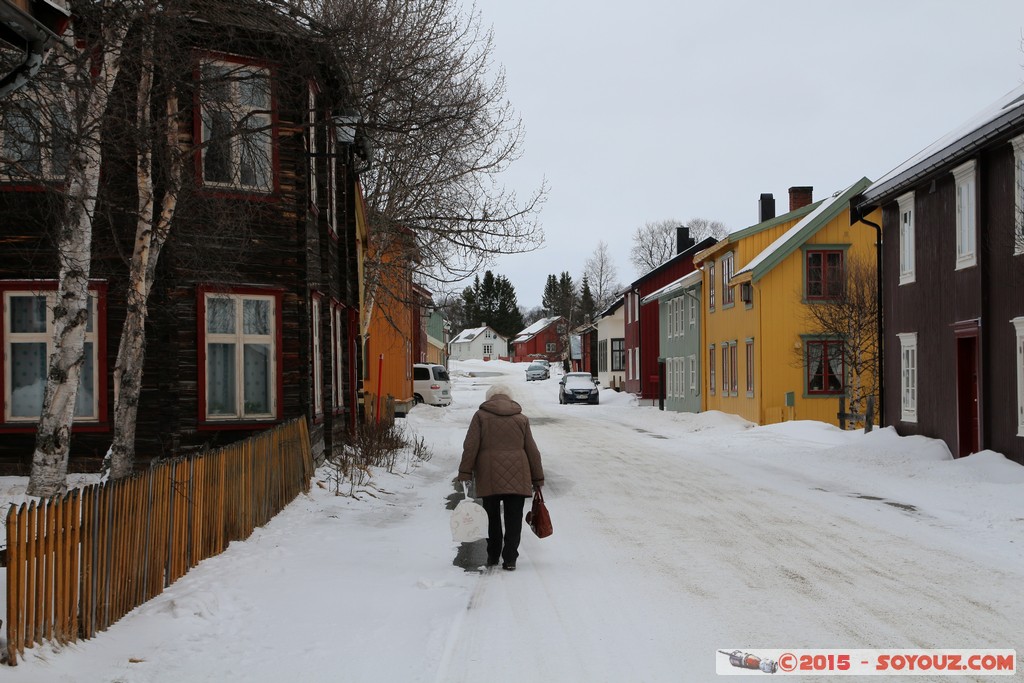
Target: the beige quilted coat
(499, 449)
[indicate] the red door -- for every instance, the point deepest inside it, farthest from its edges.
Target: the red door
(967, 395)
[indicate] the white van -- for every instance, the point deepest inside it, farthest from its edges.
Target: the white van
(431, 384)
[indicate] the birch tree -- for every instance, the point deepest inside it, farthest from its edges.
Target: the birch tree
(88, 79)
(600, 273)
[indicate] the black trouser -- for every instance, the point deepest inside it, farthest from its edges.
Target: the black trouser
(507, 547)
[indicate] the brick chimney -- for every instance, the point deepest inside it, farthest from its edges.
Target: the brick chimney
(766, 207)
(683, 239)
(800, 197)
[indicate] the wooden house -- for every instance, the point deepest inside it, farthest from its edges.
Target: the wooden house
(479, 343)
(611, 345)
(438, 333)
(642, 322)
(679, 335)
(544, 339)
(766, 358)
(952, 219)
(253, 319)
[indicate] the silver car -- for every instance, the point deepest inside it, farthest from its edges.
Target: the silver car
(537, 371)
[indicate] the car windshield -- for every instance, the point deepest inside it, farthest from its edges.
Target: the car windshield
(574, 381)
(536, 366)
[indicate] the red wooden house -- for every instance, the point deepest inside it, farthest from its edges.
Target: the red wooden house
(641, 321)
(545, 339)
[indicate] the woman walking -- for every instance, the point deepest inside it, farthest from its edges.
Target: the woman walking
(500, 451)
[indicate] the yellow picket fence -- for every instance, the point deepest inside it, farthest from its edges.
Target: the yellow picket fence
(79, 562)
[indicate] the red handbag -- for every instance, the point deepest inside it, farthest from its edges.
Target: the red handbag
(538, 517)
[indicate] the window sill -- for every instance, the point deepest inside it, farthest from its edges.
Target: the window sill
(31, 427)
(237, 425)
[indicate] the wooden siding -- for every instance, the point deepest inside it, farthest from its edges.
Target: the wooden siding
(941, 297)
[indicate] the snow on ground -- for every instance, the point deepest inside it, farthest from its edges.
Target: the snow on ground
(676, 535)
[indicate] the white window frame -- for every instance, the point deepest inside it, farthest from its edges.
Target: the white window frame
(313, 149)
(1018, 324)
(907, 239)
(693, 311)
(671, 315)
(908, 376)
(1018, 195)
(251, 116)
(749, 354)
(318, 358)
(693, 374)
(680, 378)
(11, 338)
(240, 338)
(966, 215)
(488, 349)
(337, 367)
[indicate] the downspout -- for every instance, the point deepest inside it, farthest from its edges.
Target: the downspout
(878, 305)
(39, 29)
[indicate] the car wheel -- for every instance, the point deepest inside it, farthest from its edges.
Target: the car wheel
(417, 399)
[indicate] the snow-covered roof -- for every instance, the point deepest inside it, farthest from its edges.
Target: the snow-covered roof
(804, 229)
(688, 280)
(534, 329)
(468, 335)
(1006, 112)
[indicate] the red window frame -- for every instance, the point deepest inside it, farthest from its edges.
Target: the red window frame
(203, 422)
(102, 421)
(823, 281)
(826, 348)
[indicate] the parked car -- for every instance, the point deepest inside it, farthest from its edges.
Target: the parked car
(537, 371)
(431, 384)
(579, 387)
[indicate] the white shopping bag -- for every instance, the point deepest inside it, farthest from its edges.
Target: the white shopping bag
(469, 520)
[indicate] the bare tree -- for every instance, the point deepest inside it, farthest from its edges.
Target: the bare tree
(442, 132)
(66, 136)
(702, 228)
(600, 272)
(853, 317)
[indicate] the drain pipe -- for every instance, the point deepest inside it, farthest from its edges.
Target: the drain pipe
(33, 27)
(878, 304)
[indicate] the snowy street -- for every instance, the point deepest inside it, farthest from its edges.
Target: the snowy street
(676, 535)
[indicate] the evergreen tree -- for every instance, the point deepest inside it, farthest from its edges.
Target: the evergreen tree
(491, 301)
(568, 299)
(588, 307)
(549, 300)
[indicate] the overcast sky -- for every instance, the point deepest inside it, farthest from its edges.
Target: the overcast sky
(665, 109)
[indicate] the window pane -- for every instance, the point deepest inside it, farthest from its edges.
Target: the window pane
(255, 153)
(28, 379)
(257, 378)
(814, 274)
(220, 379)
(28, 314)
(253, 89)
(217, 137)
(815, 367)
(220, 316)
(835, 366)
(86, 386)
(256, 316)
(20, 145)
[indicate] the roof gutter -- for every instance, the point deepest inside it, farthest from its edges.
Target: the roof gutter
(33, 28)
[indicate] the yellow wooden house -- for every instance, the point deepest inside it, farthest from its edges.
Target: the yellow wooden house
(766, 359)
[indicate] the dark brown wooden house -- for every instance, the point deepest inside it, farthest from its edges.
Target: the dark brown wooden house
(254, 315)
(953, 291)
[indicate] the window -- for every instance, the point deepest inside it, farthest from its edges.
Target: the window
(312, 141)
(636, 363)
(908, 376)
(671, 315)
(602, 355)
(680, 378)
(318, 358)
(488, 349)
(965, 215)
(1018, 324)
(337, 356)
(236, 126)
(734, 369)
(670, 378)
(332, 179)
(750, 368)
(551, 347)
(711, 370)
(726, 379)
(693, 311)
(826, 370)
(906, 204)
(693, 374)
(618, 355)
(728, 292)
(28, 343)
(241, 362)
(824, 274)
(711, 285)
(1018, 194)
(33, 141)
(680, 316)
